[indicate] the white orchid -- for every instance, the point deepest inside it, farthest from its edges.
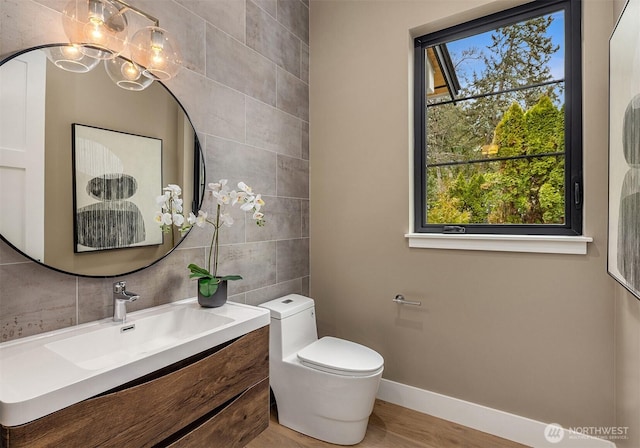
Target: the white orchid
(226, 219)
(166, 219)
(201, 220)
(172, 214)
(178, 219)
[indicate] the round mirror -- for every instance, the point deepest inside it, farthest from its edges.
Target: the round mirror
(82, 163)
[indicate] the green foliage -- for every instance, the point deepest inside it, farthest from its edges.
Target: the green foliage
(519, 123)
(514, 191)
(207, 283)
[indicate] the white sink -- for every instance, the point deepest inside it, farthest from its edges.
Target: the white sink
(47, 372)
(137, 337)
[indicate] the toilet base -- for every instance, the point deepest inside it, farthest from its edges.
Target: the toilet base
(327, 430)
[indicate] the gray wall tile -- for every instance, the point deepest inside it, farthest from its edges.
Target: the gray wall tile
(293, 95)
(284, 221)
(255, 262)
(271, 39)
(25, 24)
(164, 282)
(212, 107)
(305, 140)
(258, 296)
(8, 255)
(187, 29)
(293, 259)
(238, 162)
(304, 209)
(34, 299)
(270, 128)
(293, 177)
(295, 16)
(271, 6)
(304, 63)
(228, 15)
(233, 64)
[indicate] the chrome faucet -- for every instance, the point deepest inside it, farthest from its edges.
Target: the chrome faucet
(120, 298)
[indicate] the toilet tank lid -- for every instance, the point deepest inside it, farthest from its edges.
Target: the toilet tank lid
(288, 305)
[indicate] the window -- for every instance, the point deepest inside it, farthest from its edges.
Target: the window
(498, 124)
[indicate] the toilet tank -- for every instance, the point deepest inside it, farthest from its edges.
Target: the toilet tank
(293, 324)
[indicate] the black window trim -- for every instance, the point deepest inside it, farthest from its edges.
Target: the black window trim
(573, 117)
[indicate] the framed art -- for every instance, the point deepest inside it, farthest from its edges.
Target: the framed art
(623, 260)
(116, 180)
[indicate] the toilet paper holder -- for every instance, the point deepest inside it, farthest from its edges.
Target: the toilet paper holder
(399, 298)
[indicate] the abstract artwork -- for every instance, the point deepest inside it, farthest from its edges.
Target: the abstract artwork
(623, 261)
(117, 177)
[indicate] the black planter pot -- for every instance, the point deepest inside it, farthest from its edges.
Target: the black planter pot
(219, 298)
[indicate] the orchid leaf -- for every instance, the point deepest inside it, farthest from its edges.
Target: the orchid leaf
(208, 286)
(231, 277)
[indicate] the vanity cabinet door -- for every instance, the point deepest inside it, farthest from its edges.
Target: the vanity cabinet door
(146, 414)
(235, 425)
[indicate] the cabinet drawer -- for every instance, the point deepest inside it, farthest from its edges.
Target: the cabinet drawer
(235, 425)
(147, 413)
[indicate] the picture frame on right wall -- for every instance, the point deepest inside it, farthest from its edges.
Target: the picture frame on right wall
(623, 257)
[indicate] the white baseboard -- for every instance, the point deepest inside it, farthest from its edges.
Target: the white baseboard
(502, 424)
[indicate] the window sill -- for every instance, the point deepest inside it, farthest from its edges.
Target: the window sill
(546, 244)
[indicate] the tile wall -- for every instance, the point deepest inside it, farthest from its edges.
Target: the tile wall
(246, 89)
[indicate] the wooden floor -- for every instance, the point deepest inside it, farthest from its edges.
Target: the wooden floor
(391, 426)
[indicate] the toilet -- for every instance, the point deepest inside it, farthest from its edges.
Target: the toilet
(324, 388)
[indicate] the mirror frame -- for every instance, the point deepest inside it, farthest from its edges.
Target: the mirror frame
(199, 170)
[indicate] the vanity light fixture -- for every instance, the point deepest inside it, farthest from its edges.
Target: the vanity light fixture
(127, 74)
(71, 58)
(98, 30)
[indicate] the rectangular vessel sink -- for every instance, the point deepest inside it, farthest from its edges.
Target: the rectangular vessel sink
(47, 372)
(119, 344)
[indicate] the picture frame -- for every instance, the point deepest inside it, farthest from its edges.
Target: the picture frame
(117, 177)
(623, 254)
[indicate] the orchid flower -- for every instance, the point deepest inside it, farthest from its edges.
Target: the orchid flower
(172, 214)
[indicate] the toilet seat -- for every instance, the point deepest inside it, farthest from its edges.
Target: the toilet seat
(341, 357)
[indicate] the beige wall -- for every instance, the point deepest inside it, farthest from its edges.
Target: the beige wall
(245, 87)
(531, 334)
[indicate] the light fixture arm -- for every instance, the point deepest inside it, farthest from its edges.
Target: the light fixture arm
(127, 7)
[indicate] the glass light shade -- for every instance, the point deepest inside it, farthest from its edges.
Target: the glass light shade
(126, 74)
(71, 58)
(97, 26)
(153, 49)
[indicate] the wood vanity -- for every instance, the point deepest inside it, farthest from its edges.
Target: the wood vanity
(219, 397)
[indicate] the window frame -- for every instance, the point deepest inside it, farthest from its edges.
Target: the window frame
(573, 118)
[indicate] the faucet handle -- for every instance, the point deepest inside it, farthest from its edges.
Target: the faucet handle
(119, 287)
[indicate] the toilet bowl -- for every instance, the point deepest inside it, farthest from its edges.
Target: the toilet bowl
(324, 388)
